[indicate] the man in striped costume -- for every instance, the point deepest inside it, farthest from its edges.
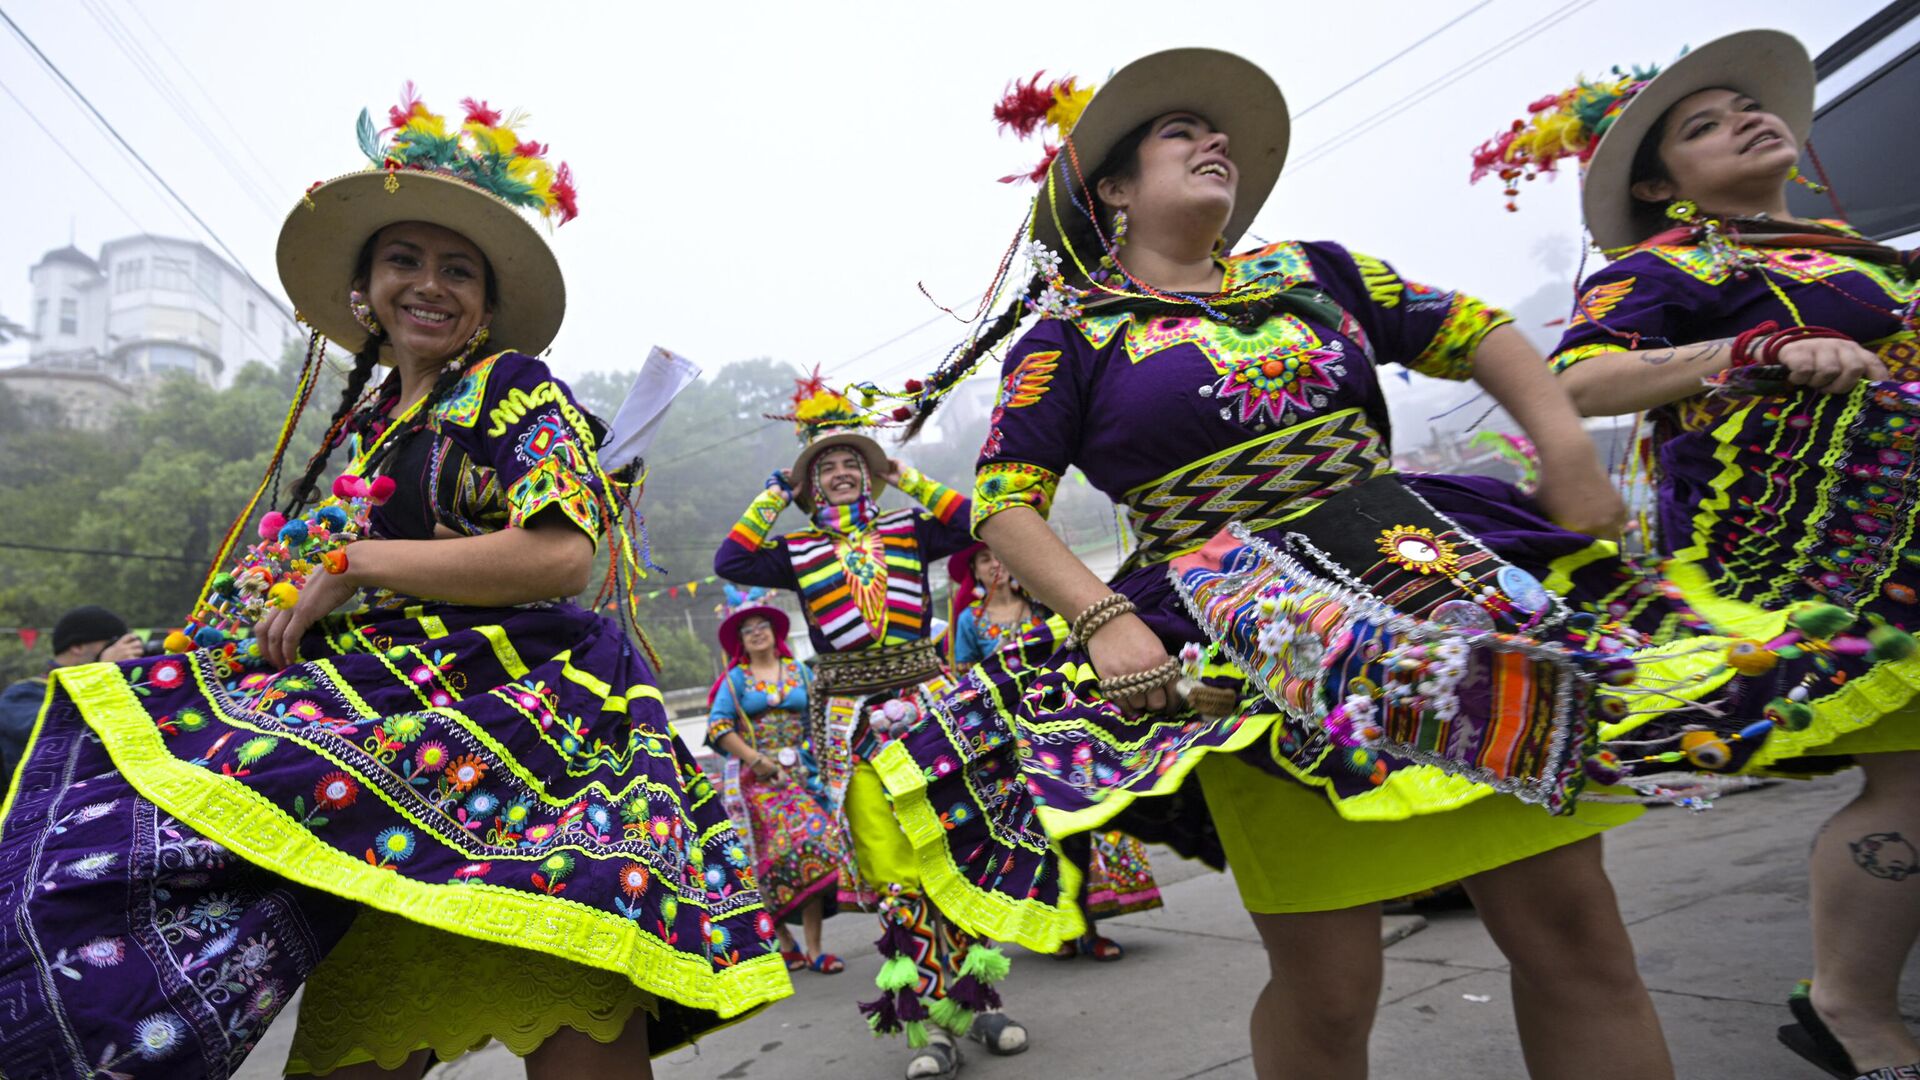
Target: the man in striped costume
(861, 573)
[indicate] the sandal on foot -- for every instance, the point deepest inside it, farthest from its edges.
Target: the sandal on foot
(938, 1060)
(1069, 950)
(1002, 1035)
(827, 964)
(1106, 950)
(1810, 1037)
(796, 960)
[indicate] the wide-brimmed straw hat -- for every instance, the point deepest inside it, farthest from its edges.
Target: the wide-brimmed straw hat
(823, 418)
(474, 178)
(1768, 66)
(1601, 123)
(1230, 92)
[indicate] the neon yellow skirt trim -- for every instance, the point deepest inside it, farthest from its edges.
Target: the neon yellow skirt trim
(247, 824)
(1031, 924)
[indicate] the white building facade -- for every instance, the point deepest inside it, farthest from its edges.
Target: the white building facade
(147, 307)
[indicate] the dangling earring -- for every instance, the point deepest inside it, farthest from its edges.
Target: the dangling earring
(478, 339)
(363, 312)
(1119, 228)
(1811, 185)
(1219, 247)
(1108, 259)
(1682, 210)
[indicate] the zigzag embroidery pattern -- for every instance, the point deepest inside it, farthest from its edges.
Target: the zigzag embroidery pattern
(1254, 480)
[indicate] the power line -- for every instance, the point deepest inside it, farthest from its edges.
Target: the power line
(47, 61)
(1388, 62)
(55, 550)
(1441, 82)
(143, 62)
(199, 286)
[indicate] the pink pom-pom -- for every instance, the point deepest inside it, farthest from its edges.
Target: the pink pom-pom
(380, 490)
(271, 524)
(348, 487)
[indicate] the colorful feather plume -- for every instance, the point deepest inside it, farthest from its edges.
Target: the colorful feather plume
(819, 409)
(1028, 106)
(1568, 124)
(484, 150)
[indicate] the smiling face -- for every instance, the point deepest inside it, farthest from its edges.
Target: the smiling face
(1717, 147)
(1182, 178)
(757, 635)
(428, 288)
(839, 477)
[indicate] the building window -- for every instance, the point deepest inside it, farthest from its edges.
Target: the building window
(162, 359)
(69, 315)
(172, 275)
(130, 276)
(209, 276)
(1869, 160)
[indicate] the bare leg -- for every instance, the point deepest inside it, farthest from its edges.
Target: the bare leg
(1582, 1010)
(785, 937)
(573, 1055)
(811, 917)
(415, 1065)
(1323, 988)
(1866, 912)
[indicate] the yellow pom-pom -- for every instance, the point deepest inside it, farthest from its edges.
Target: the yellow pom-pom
(177, 642)
(1750, 658)
(284, 595)
(1705, 750)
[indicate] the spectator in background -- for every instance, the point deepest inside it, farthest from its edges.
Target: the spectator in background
(84, 635)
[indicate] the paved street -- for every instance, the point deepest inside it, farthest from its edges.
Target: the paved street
(1717, 903)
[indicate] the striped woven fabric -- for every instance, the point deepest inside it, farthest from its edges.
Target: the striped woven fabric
(863, 588)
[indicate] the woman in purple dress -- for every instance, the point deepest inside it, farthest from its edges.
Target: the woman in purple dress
(1776, 361)
(1369, 659)
(446, 800)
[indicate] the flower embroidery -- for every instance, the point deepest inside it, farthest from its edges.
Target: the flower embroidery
(634, 879)
(103, 952)
(464, 773)
(394, 844)
(335, 791)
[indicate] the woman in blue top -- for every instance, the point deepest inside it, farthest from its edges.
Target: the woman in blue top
(757, 717)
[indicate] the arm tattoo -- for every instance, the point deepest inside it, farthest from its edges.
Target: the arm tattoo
(1685, 353)
(1886, 855)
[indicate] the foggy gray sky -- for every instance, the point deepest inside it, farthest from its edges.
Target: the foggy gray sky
(774, 179)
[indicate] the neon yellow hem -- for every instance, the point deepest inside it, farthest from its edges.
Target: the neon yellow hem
(1026, 922)
(13, 782)
(245, 822)
(1888, 687)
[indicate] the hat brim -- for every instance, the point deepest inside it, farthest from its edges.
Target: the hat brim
(870, 451)
(1769, 66)
(960, 565)
(322, 238)
(729, 634)
(1230, 92)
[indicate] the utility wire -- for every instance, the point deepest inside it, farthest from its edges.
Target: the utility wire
(198, 285)
(47, 61)
(56, 550)
(1347, 136)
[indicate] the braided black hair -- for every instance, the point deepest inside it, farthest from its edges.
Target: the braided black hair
(1083, 231)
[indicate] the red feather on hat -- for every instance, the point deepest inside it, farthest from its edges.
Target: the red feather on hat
(1024, 106)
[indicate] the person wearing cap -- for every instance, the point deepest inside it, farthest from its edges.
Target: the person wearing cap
(757, 717)
(426, 784)
(862, 574)
(84, 635)
(1231, 404)
(989, 612)
(1775, 358)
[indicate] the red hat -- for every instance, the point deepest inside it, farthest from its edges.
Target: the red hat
(730, 629)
